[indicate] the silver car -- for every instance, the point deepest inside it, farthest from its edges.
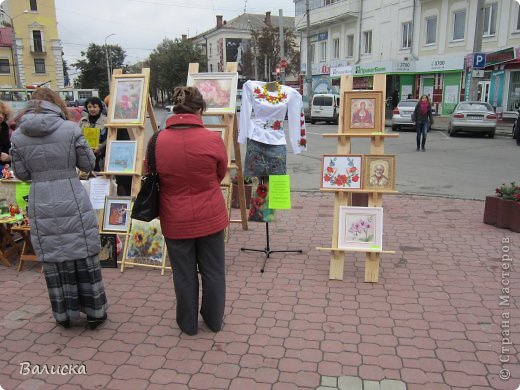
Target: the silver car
(402, 114)
(473, 117)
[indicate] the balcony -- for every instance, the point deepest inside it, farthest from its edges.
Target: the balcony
(330, 12)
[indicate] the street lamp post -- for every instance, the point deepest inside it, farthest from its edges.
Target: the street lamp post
(108, 66)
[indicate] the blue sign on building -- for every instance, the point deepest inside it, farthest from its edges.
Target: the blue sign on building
(479, 60)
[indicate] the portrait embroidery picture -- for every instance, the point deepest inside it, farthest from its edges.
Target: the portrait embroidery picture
(218, 89)
(362, 112)
(121, 156)
(128, 100)
(379, 172)
(116, 215)
(145, 243)
(341, 172)
(108, 253)
(360, 228)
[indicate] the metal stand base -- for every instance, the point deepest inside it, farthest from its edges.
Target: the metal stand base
(267, 250)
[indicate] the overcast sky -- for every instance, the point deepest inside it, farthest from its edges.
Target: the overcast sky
(140, 25)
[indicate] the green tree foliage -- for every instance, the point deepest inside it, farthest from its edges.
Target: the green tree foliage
(92, 67)
(266, 42)
(169, 63)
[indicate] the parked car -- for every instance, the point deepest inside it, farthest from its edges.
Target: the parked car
(473, 117)
(325, 107)
(402, 115)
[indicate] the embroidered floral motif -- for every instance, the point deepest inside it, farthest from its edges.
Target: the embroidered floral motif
(273, 124)
(263, 94)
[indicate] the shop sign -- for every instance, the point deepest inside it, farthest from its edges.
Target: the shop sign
(339, 70)
(440, 65)
(322, 36)
(374, 67)
(500, 56)
(404, 66)
(324, 67)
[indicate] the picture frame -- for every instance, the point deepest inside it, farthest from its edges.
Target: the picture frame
(379, 172)
(341, 172)
(360, 228)
(145, 243)
(219, 90)
(108, 253)
(128, 100)
(362, 112)
(116, 214)
(121, 157)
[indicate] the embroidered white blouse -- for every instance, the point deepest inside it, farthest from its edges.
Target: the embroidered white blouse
(262, 118)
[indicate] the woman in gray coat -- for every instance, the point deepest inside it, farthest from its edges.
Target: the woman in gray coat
(46, 149)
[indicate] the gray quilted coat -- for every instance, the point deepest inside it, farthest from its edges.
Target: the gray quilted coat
(46, 149)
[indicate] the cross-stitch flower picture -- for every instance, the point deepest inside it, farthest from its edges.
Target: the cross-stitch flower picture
(218, 89)
(361, 228)
(145, 243)
(341, 172)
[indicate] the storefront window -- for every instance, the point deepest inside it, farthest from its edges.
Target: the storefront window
(513, 100)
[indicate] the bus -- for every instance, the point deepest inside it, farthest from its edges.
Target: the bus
(18, 97)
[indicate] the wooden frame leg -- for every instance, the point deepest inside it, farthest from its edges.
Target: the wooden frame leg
(337, 262)
(372, 267)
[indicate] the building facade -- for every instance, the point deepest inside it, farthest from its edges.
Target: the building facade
(35, 56)
(228, 40)
(423, 47)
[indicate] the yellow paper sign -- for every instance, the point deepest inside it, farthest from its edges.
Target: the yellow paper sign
(22, 189)
(279, 192)
(91, 134)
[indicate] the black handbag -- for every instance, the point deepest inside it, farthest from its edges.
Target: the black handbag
(146, 205)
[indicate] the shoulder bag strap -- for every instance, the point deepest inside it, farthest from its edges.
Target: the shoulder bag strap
(151, 153)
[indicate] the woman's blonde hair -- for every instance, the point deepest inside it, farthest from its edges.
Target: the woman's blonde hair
(6, 110)
(48, 95)
(187, 100)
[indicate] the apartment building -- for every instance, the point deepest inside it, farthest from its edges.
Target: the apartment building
(423, 47)
(34, 54)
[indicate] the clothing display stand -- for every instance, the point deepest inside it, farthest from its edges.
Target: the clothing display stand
(136, 132)
(229, 129)
(267, 250)
(344, 198)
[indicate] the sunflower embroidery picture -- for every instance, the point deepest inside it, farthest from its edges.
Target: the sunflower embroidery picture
(146, 242)
(341, 172)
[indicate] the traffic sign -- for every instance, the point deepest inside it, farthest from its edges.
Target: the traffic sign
(479, 60)
(283, 63)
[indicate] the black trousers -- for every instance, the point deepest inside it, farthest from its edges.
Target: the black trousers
(209, 255)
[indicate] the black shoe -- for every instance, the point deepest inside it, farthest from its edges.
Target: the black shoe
(65, 324)
(93, 323)
(424, 150)
(417, 149)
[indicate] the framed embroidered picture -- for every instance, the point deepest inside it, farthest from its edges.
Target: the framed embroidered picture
(145, 243)
(219, 90)
(108, 254)
(121, 156)
(379, 172)
(361, 228)
(128, 100)
(341, 172)
(362, 112)
(116, 215)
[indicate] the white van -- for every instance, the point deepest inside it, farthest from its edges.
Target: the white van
(325, 107)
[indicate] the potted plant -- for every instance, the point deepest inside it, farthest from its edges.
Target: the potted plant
(503, 209)
(248, 187)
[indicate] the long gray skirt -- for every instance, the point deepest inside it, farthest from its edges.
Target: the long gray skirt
(76, 286)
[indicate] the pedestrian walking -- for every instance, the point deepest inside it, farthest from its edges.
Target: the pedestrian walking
(47, 149)
(191, 161)
(423, 119)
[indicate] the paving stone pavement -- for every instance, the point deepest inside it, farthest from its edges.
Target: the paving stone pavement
(433, 321)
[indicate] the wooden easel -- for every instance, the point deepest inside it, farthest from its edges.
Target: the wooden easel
(342, 198)
(228, 124)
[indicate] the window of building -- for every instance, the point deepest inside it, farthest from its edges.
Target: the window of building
(367, 42)
(211, 67)
(4, 66)
(39, 65)
(33, 5)
(406, 32)
(210, 49)
(431, 30)
(459, 24)
(350, 45)
(37, 41)
(323, 51)
(313, 52)
(518, 20)
(335, 44)
(490, 19)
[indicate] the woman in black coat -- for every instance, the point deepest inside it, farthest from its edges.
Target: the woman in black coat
(423, 120)
(5, 139)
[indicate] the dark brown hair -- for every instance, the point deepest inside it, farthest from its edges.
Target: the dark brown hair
(187, 100)
(48, 95)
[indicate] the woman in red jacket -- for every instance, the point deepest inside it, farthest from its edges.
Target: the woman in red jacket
(191, 162)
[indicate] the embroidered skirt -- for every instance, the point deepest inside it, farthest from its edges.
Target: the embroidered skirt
(76, 286)
(264, 160)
